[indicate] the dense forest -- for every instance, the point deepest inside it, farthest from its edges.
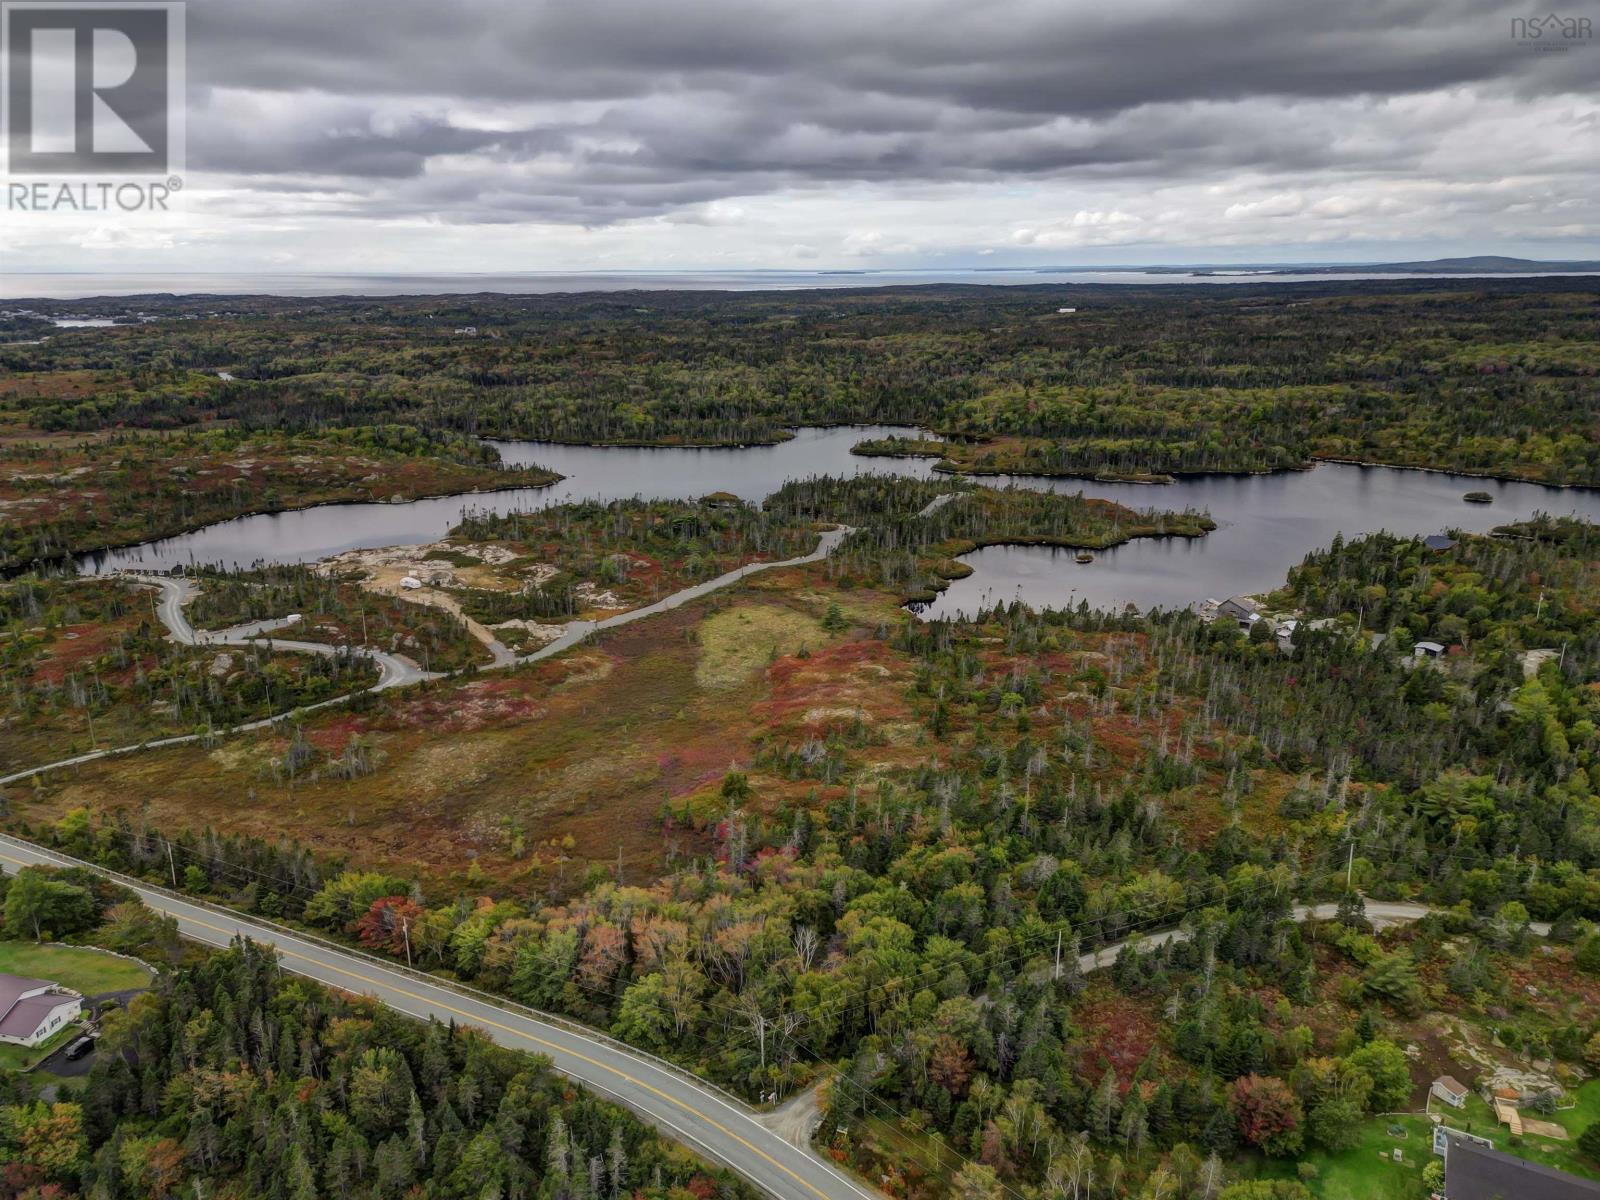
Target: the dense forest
(64, 497)
(231, 1078)
(556, 562)
(1135, 382)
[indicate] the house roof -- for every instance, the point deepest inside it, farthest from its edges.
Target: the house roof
(1474, 1172)
(1434, 647)
(1451, 1084)
(1438, 541)
(27, 1014)
(14, 987)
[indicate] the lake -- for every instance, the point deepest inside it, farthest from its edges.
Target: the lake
(592, 473)
(1266, 523)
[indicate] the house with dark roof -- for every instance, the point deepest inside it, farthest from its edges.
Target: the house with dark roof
(1476, 1172)
(31, 1010)
(1239, 608)
(1438, 541)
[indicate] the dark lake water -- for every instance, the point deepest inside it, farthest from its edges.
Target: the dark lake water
(1266, 523)
(592, 472)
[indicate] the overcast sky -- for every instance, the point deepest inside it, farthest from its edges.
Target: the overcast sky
(495, 135)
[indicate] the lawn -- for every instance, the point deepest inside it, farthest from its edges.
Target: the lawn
(90, 972)
(1478, 1118)
(1368, 1171)
(20, 1058)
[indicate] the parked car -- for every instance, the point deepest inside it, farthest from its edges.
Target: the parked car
(80, 1046)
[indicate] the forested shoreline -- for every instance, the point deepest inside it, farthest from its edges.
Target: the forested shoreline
(1137, 382)
(81, 496)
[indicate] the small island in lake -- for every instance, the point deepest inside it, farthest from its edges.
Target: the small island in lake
(901, 447)
(1478, 498)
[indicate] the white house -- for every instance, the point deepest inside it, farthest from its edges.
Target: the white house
(1451, 1090)
(33, 1009)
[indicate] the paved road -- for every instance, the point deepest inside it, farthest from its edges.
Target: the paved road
(723, 1129)
(719, 1127)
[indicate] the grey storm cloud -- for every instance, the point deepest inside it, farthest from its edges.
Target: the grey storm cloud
(598, 112)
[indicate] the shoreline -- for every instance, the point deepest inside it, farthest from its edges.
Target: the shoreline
(548, 478)
(1460, 471)
(951, 568)
(73, 556)
(1315, 461)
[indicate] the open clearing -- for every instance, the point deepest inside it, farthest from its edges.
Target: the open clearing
(534, 776)
(91, 972)
(605, 759)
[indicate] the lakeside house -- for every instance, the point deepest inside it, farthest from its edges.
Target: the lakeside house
(1451, 1090)
(1241, 609)
(31, 1010)
(1438, 542)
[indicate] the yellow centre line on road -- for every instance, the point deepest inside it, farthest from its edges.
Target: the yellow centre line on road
(534, 1038)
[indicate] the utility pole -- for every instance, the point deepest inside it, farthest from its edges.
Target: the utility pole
(172, 867)
(405, 932)
(1058, 954)
(1350, 867)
